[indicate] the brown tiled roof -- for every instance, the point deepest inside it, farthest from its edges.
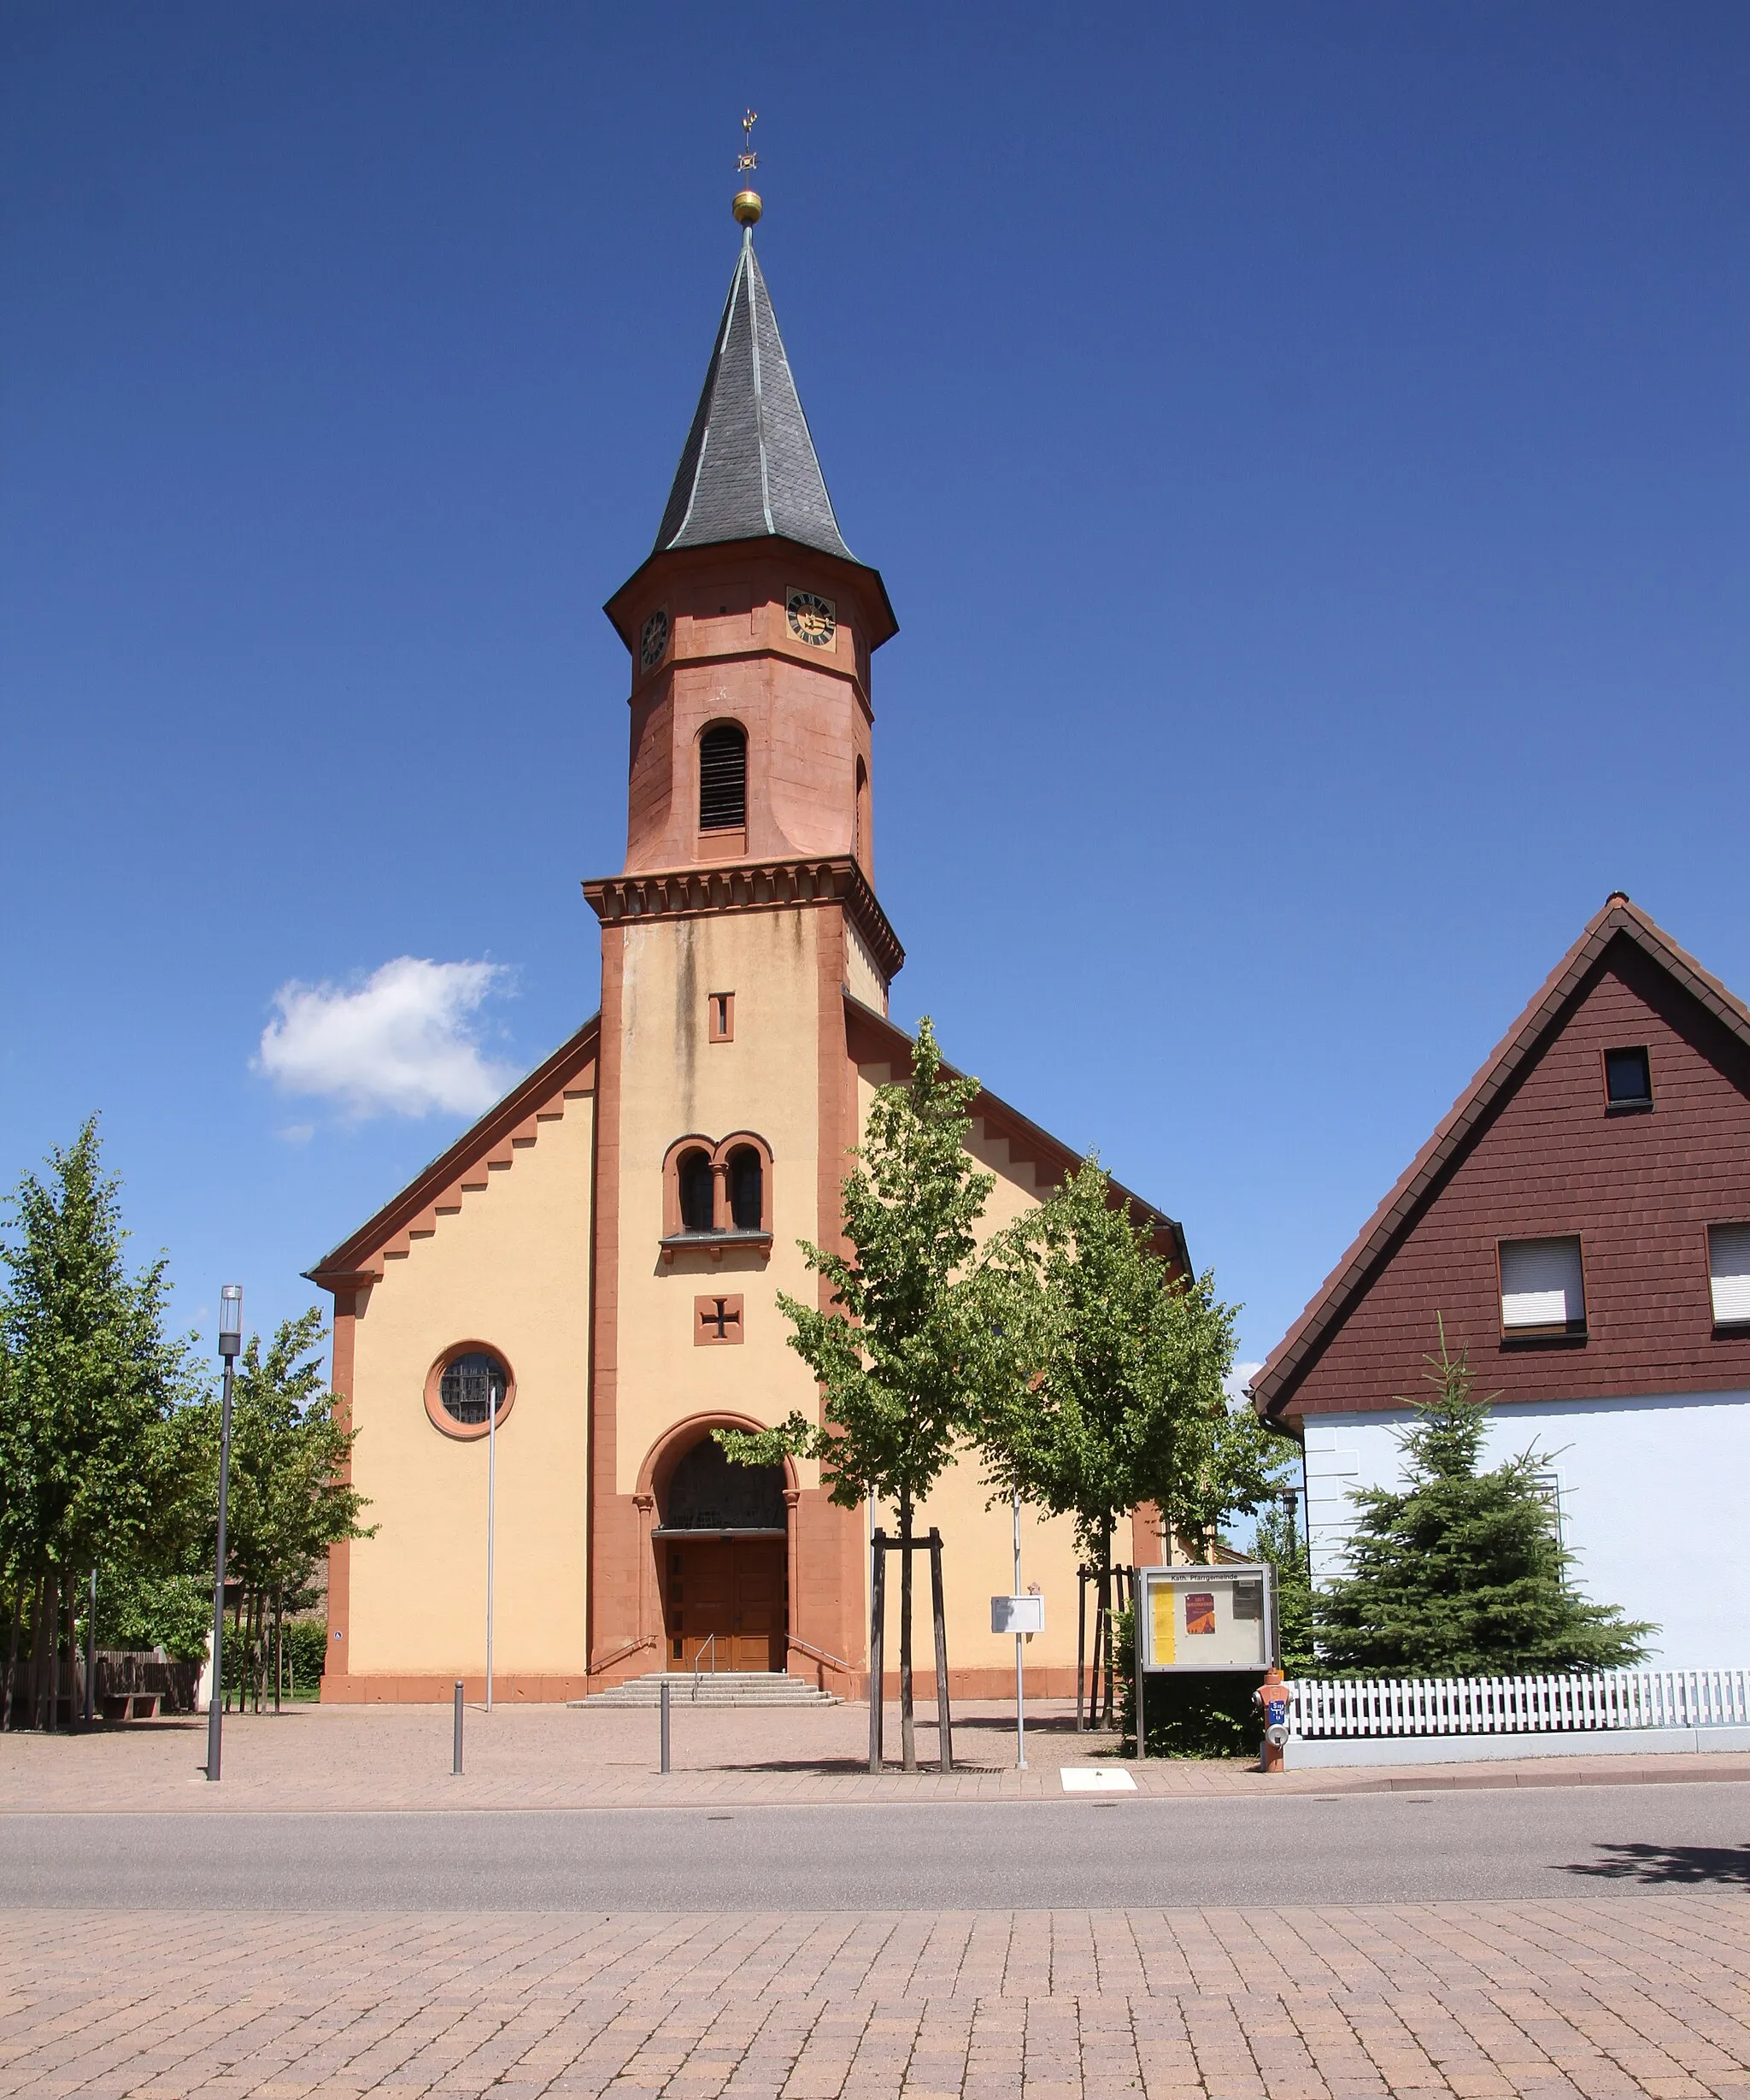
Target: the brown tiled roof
(1274, 1387)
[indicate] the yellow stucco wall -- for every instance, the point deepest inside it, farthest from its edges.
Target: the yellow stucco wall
(862, 978)
(675, 1082)
(511, 1269)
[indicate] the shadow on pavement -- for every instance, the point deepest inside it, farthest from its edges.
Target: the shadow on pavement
(1671, 1865)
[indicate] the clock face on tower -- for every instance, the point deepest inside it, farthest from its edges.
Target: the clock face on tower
(653, 640)
(812, 620)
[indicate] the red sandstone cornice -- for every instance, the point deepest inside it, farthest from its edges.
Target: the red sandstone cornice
(766, 885)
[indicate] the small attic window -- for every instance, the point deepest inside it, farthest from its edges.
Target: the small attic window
(723, 779)
(1628, 1078)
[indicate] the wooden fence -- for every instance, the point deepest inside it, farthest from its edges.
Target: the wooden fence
(1519, 1705)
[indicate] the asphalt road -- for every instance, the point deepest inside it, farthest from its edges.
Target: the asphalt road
(1352, 1849)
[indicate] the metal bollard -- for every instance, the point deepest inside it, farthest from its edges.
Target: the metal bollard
(664, 1698)
(455, 1752)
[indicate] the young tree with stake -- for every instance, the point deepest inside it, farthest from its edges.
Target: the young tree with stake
(1129, 1406)
(919, 1335)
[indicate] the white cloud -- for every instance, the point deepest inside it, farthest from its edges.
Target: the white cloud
(403, 1043)
(1238, 1379)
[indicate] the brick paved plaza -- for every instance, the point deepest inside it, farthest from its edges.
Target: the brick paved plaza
(341, 1757)
(1641, 1994)
(1633, 1990)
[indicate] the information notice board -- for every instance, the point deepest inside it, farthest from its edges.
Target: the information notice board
(1221, 1618)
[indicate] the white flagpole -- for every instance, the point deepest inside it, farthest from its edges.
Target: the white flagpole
(492, 1518)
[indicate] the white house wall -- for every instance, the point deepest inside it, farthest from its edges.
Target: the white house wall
(1652, 1504)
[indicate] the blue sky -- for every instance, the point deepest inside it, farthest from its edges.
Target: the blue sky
(1306, 447)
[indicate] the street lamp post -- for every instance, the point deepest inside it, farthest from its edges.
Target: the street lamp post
(1020, 1643)
(230, 1343)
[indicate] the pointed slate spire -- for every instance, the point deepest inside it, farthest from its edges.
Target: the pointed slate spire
(749, 467)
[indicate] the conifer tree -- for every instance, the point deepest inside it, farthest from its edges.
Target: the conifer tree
(1461, 1573)
(916, 1334)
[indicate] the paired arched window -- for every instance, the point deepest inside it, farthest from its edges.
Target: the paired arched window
(717, 1188)
(723, 779)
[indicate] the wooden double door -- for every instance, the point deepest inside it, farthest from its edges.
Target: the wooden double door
(735, 1589)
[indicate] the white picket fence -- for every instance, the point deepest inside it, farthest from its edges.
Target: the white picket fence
(1519, 1705)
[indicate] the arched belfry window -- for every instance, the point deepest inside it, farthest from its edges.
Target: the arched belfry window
(723, 779)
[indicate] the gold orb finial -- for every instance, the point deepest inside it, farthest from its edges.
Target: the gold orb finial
(747, 207)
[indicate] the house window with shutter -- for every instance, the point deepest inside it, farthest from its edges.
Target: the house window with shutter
(1729, 1273)
(1542, 1289)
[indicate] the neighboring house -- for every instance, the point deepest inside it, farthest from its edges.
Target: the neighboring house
(591, 1271)
(1581, 1221)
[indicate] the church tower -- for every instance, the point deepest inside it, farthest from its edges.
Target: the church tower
(744, 918)
(537, 1335)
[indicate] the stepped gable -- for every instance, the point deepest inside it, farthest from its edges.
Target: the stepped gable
(490, 1146)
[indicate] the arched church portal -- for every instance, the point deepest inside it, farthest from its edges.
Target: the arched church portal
(722, 1556)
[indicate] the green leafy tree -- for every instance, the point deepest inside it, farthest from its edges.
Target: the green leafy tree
(1278, 1540)
(91, 1386)
(920, 1329)
(1460, 1572)
(142, 1608)
(289, 1497)
(1127, 1406)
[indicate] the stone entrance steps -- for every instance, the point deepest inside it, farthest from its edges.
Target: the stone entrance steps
(715, 1688)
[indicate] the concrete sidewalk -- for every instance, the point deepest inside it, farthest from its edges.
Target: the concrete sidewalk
(338, 1758)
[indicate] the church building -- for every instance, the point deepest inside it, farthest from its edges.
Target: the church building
(590, 1272)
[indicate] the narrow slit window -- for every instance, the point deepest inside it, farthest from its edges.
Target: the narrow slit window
(1729, 1273)
(1628, 1078)
(722, 1009)
(723, 779)
(1542, 1288)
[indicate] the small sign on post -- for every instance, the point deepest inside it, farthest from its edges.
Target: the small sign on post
(1017, 1615)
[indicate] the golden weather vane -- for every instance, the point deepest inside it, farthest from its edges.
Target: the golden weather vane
(747, 204)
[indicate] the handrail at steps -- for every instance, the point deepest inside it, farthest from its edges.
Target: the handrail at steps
(698, 1661)
(619, 1653)
(819, 1655)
